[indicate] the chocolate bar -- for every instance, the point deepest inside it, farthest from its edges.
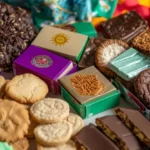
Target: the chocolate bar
(129, 64)
(88, 57)
(124, 27)
(136, 122)
(90, 138)
(118, 133)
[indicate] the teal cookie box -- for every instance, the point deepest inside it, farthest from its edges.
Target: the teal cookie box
(93, 107)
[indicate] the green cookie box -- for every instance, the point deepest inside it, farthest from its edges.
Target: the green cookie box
(93, 107)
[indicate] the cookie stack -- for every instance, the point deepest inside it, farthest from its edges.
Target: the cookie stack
(56, 124)
(16, 97)
(26, 113)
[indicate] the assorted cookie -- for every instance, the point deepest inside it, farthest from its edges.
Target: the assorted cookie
(106, 52)
(76, 122)
(26, 88)
(88, 57)
(22, 144)
(26, 112)
(141, 87)
(46, 117)
(14, 121)
(141, 42)
(49, 110)
(129, 64)
(56, 126)
(53, 134)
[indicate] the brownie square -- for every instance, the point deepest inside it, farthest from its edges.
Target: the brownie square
(124, 27)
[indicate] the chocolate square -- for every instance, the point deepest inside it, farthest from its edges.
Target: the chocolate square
(124, 27)
(123, 137)
(90, 138)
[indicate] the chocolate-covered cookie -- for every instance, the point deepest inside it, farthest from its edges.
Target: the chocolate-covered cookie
(16, 33)
(142, 87)
(124, 27)
(88, 57)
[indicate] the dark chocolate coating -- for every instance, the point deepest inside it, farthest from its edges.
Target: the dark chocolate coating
(16, 33)
(88, 57)
(142, 87)
(92, 139)
(124, 27)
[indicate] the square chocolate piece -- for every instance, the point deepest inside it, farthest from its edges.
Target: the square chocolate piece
(90, 138)
(124, 27)
(87, 85)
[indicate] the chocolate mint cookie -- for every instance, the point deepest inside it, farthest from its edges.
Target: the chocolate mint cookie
(16, 33)
(142, 87)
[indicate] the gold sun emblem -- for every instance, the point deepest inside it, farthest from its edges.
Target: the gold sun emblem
(60, 39)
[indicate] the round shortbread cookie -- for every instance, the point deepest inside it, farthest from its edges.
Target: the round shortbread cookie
(21, 144)
(76, 121)
(26, 88)
(49, 110)
(14, 121)
(53, 134)
(70, 145)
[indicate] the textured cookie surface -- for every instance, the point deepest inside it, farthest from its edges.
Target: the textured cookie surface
(87, 85)
(70, 145)
(14, 121)
(141, 42)
(142, 87)
(106, 52)
(53, 134)
(76, 121)
(49, 110)
(26, 88)
(22, 144)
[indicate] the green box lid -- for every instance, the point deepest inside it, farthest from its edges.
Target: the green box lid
(85, 28)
